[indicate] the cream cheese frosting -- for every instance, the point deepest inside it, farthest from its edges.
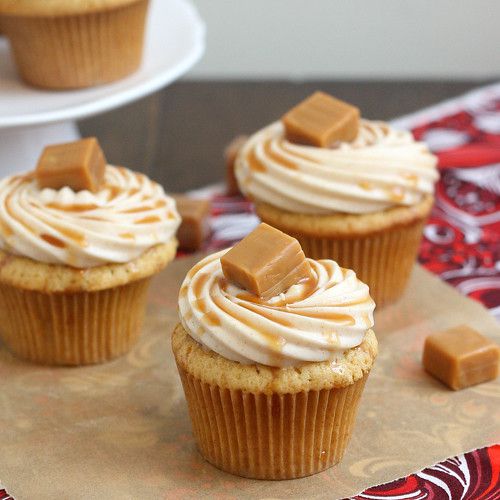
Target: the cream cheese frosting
(314, 320)
(382, 168)
(129, 215)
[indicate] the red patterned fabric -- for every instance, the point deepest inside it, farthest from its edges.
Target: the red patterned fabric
(471, 476)
(462, 238)
(4, 495)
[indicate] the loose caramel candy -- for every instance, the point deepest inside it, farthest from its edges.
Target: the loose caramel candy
(194, 226)
(321, 120)
(266, 262)
(230, 154)
(79, 165)
(461, 357)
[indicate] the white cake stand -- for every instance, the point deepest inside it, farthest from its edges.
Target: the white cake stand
(32, 118)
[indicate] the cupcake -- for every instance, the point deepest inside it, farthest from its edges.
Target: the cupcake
(361, 200)
(273, 384)
(64, 44)
(75, 264)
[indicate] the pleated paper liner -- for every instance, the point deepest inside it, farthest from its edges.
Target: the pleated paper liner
(271, 436)
(72, 328)
(382, 260)
(78, 50)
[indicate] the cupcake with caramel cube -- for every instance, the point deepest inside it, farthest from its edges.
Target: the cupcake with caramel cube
(349, 189)
(79, 242)
(273, 351)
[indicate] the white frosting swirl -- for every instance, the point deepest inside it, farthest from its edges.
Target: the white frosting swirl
(82, 229)
(381, 168)
(315, 320)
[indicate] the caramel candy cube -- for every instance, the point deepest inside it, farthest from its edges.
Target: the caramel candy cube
(461, 357)
(321, 120)
(79, 165)
(230, 154)
(266, 262)
(194, 225)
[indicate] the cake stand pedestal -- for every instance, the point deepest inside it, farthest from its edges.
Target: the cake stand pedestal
(31, 118)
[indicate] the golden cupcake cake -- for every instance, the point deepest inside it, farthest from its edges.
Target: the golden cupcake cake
(79, 243)
(273, 373)
(64, 44)
(349, 189)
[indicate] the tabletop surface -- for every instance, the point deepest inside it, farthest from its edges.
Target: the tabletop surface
(121, 430)
(177, 135)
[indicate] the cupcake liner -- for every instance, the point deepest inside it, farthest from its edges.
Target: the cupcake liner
(271, 436)
(383, 260)
(72, 328)
(81, 50)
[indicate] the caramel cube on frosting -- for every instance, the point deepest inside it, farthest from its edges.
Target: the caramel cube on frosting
(461, 357)
(79, 165)
(321, 120)
(266, 262)
(194, 225)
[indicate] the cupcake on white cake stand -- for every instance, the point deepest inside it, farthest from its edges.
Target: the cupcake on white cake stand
(31, 118)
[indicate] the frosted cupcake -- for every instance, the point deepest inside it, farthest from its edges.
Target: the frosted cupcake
(75, 265)
(273, 385)
(62, 44)
(362, 202)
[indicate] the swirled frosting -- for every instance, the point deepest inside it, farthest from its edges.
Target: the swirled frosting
(381, 168)
(315, 320)
(82, 229)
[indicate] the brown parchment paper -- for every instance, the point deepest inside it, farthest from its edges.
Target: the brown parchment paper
(122, 431)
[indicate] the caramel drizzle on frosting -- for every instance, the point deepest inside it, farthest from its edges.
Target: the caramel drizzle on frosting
(381, 168)
(274, 341)
(265, 314)
(73, 208)
(283, 145)
(145, 208)
(5, 229)
(209, 293)
(136, 210)
(282, 160)
(13, 216)
(148, 220)
(411, 178)
(114, 191)
(254, 163)
(52, 240)
(208, 316)
(309, 285)
(201, 304)
(84, 229)
(199, 283)
(368, 186)
(76, 236)
(395, 195)
(127, 236)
